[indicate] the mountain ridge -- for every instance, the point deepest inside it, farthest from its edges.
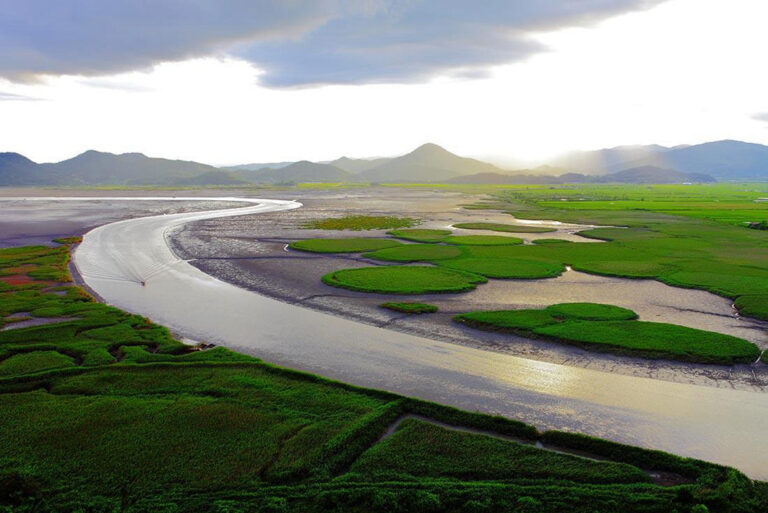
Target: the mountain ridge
(429, 163)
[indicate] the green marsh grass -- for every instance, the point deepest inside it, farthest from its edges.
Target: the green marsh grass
(396, 279)
(350, 245)
(411, 308)
(420, 234)
(501, 227)
(361, 222)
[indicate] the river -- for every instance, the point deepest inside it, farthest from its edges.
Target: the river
(130, 265)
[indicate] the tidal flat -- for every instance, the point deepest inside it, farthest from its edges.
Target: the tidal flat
(251, 252)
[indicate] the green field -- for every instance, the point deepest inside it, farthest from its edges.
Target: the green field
(420, 235)
(416, 253)
(505, 267)
(686, 236)
(361, 222)
(411, 308)
(106, 412)
(609, 328)
(396, 279)
(501, 227)
(351, 245)
(483, 240)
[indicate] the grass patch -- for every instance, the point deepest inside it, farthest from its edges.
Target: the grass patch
(602, 331)
(753, 306)
(550, 241)
(352, 245)
(361, 223)
(591, 312)
(419, 448)
(656, 340)
(34, 361)
(483, 240)
(397, 279)
(416, 252)
(421, 235)
(501, 227)
(505, 268)
(513, 321)
(411, 308)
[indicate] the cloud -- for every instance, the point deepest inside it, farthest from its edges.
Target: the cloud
(10, 97)
(761, 116)
(295, 42)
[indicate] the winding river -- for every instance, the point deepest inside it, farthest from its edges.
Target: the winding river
(130, 265)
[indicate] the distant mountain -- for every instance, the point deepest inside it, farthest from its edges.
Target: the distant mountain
(217, 177)
(256, 167)
(508, 178)
(644, 174)
(427, 163)
(724, 160)
(607, 160)
(653, 174)
(302, 171)
(16, 169)
(97, 168)
(355, 166)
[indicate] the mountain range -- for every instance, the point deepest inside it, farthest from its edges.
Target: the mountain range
(429, 163)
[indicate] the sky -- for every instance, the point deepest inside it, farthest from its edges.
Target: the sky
(239, 81)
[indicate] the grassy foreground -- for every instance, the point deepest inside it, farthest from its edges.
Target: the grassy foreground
(107, 412)
(613, 329)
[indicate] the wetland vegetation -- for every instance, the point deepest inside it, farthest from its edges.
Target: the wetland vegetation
(106, 411)
(413, 308)
(613, 329)
(501, 227)
(361, 222)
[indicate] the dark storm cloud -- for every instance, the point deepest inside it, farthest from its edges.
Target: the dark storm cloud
(296, 42)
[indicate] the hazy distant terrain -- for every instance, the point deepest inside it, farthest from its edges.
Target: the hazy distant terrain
(429, 163)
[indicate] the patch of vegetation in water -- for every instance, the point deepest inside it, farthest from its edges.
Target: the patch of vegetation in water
(361, 222)
(416, 253)
(505, 268)
(398, 279)
(550, 241)
(349, 245)
(133, 420)
(411, 308)
(483, 240)
(501, 227)
(420, 234)
(592, 312)
(608, 328)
